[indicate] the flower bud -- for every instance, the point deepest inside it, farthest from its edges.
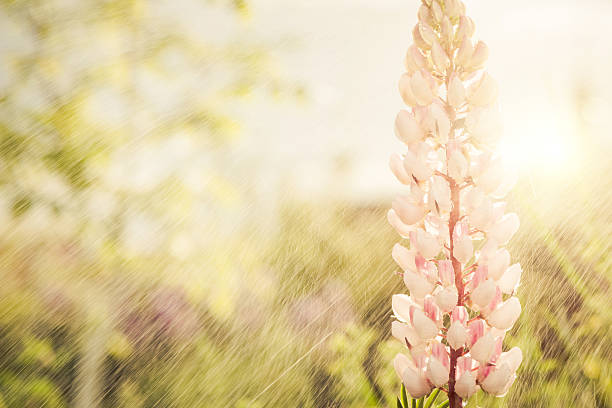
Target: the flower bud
(409, 212)
(456, 92)
(425, 243)
(496, 383)
(453, 8)
(418, 40)
(483, 92)
(416, 166)
(424, 326)
(446, 33)
(483, 294)
(404, 257)
(402, 306)
(479, 56)
(466, 386)
(427, 34)
(407, 129)
(456, 335)
(425, 15)
(396, 165)
(438, 365)
(457, 166)
(440, 121)
(418, 286)
(439, 198)
(414, 60)
(436, 12)
(510, 279)
(439, 57)
(447, 298)
(505, 315)
(483, 349)
(512, 358)
(422, 84)
(481, 216)
(446, 272)
(463, 248)
(466, 28)
(404, 332)
(405, 90)
(497, 263)
(504, 229)
(464, 54)
(401, 228)
(415, 383)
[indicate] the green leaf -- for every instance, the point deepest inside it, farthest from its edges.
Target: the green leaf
(432, 398)
(399, 403)
(414, 403)
(444, 404)
(404, 397)
(420, 403)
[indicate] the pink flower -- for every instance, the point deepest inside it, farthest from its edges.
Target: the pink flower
(461, 297)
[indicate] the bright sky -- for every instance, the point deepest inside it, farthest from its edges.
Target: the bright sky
(349, 55)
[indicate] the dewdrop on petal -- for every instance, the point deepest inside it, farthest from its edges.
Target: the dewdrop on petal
(455, 318)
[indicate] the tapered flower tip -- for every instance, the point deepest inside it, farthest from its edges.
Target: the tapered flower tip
(510, 279)
(466, 386)
(395, 221)
(405, 333)
(427, 34)
(439, 57)
(483, 294)
(453, 8)
(446, 299)
(404, 257)
(483, 92)
(475, 331)
(512, 357)
(418, 39)
(414, 60)
(456, 92)
(483, 349)
(422, 85)
(466, 49)
(426, 328)
(498, 262)
(416, 166)
(401, 305)
(407, 129)
(418, 285)
(479, 56)
(457, 335)
(463, 248)
(498, 381)
(405, 90)
(436, 372)
(427, 244)
(409, 212)
(416, 384)
(396, 164)
(504, 229)
(457, 166)
(459, 314)
(401, 362)
(425, 15)
(439, 122)
(446, 272)
(505, 315)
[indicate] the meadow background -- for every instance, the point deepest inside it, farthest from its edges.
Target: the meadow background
(193, 198)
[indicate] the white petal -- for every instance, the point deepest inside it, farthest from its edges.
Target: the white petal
(401, 306)
(483, 349)
(409, 212)
(498, 263)
(437, 372)
(513, 358)
(466, 385)
(484, 293)
(496, 381)
(447, 298)
(406, 128)
(463, 249)
(456, 92)
(415, 383)
(504, 229)
(505, 315)
(403, 331)
(457, 335)
(510, 279)
(404, 257)
(418, 285)
(424, 326)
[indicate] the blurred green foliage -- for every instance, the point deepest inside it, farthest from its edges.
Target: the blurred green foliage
(293, 314)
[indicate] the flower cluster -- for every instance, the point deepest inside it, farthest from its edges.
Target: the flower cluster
(456, 269)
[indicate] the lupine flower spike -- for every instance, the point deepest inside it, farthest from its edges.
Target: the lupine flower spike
(458, 274)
